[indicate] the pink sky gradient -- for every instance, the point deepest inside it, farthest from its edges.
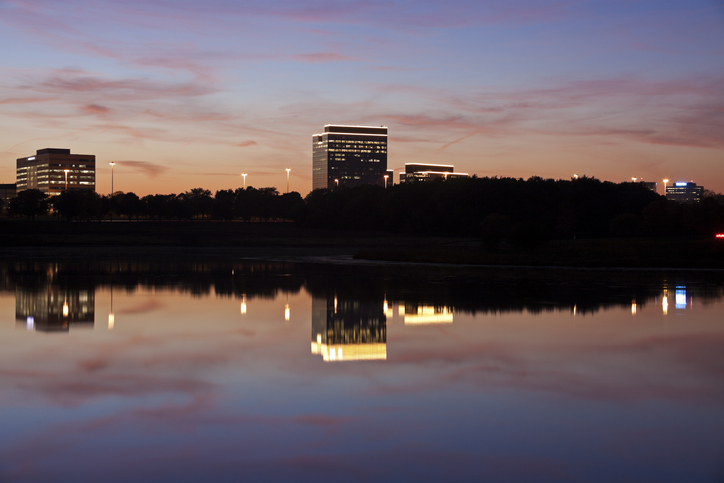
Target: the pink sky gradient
(189, 94)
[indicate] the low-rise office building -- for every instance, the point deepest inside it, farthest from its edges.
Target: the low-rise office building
(7, 192)
(53, 170)
(685, 192)
(429, 172)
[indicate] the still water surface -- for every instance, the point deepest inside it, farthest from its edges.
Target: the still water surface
(269, 371)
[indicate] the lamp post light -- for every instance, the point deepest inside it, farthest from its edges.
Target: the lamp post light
(386, 176)
(665, 181)
(113, 164)
(575, 176)
(244, 176)
(336, 181)
(66, 171)
(288, 169)
(634, 179)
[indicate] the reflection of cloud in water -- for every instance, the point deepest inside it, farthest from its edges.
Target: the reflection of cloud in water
(150, 305)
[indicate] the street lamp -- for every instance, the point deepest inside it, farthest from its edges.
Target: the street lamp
(386, 176)
(634, 179)
(112, 166)
(66, 178)
(665, 181)
(244, 176)
(575, 176)
(336, 182)
(288, 169)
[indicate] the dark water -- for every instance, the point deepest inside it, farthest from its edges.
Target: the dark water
(271, 371)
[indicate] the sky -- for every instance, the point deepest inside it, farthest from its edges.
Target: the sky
(183, 94)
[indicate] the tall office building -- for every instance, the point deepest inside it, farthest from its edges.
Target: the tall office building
(46, 171)
(685, 192)
(349, 156)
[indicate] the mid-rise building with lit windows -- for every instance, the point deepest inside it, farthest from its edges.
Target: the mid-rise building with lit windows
(685, 192)
(349, 156)
(428, 172)
(53, 170)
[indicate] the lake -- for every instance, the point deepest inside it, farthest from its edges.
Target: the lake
(254, 370)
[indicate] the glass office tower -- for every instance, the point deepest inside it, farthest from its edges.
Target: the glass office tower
(349, 156)
(46, 171)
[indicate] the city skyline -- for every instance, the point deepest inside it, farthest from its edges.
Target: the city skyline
(201, 93)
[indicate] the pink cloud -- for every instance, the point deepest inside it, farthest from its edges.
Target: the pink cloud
(152, 170)
(323, 57)
(26, 100)
(95, 109)
(246, 144)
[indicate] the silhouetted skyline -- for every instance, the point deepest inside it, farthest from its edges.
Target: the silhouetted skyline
(190, 93)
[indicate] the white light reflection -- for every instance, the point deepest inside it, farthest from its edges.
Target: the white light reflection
(680, 300)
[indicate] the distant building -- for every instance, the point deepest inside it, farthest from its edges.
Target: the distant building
(685, 192)
(651, 185)
(349, 156)
(428, 172)
(7, 191)
(46, 171)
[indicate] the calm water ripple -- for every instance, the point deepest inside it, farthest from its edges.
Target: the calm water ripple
(193, 371)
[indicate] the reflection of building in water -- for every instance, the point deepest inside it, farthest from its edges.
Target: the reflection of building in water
(680, 301)
(348, 330)
(51, 308)
(427, 314)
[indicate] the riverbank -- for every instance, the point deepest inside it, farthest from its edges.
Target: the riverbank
(169, 239)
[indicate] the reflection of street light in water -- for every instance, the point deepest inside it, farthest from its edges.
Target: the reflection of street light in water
(243, 304)
(111, 317)
(665, 304)
(65, 306)
(286, 309)
(633, 307)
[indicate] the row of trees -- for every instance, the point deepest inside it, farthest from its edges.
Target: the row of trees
(497, 209)
(261, 204)
(521, 212)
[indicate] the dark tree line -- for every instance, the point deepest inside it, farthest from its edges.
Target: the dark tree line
(517, 211)
(264, 204)
(499, 210)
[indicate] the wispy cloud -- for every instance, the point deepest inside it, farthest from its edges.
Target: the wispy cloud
(147, 168)
(324, 57)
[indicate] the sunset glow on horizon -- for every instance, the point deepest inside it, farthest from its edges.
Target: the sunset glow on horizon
(188, 94)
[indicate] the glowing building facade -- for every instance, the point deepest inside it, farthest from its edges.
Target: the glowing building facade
(428, 172)
(685, 192)
(349, 156)
(53, 170)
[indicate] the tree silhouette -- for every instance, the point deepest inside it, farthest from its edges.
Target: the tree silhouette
(30, 203)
